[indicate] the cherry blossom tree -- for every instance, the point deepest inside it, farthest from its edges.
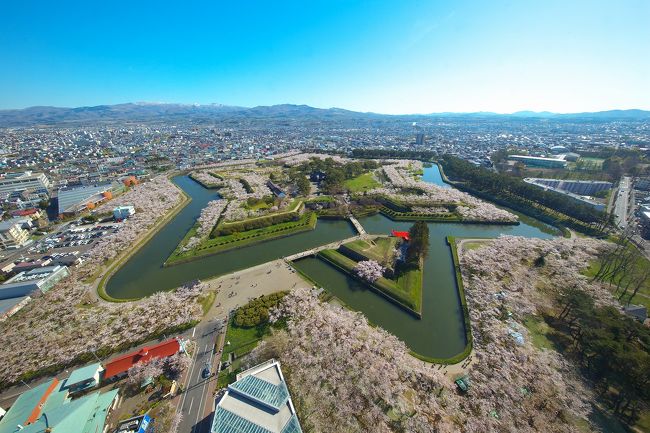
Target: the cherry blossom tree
(369, 270)
(145, 370)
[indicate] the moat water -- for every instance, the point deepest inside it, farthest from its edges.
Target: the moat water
(439, 333)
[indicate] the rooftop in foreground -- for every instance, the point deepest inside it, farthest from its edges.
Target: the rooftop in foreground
(258, 402)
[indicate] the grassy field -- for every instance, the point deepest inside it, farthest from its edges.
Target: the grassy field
(293, 207)
(589, 172)
(207, 300)
(377, 249)
(591, 163)
(242, 340)
(406, 290)
(238, 240)
(361, 183)
(472, 245)
(643, 296)
(538, 331)
(259, 205)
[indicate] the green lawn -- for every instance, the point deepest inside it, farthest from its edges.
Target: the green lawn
(643, 296)
(237, 240)
(207, 300)
(293, 207)
(538, 331)
(592, 163)
(375, 250)
(259, 205)
(361, 183)
(242, 340)
(407, 290)
(471, 245)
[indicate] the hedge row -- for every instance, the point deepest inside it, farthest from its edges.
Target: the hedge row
(256, 223)
(309, 219)
(247, 186)
(394, 215)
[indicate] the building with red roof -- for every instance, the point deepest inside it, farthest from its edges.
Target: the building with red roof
(122, 363)
(403, 235)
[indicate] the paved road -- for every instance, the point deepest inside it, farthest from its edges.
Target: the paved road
(233, 290)
(196, 402)
(621, 207)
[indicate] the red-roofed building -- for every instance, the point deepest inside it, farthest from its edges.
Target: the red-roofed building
(122, 363)
(403, 235)
(32, 213)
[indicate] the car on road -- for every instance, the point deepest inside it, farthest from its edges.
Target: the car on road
(206, 371)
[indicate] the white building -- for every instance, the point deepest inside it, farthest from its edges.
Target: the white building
(123, 212)
(257, 402)
(12, 233)
(21, 181)
(28, 282)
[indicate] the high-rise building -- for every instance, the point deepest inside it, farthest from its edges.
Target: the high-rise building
(419, 139)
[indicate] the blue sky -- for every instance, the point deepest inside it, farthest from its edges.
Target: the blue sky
(397, 56)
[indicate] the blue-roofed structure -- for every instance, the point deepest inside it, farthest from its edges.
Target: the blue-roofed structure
(47, 408)
(258, 402)
(84, 378)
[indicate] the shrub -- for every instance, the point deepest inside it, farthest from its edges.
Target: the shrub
(256, 312)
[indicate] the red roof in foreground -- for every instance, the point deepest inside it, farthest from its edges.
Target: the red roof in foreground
(147, 353)
(403, 235)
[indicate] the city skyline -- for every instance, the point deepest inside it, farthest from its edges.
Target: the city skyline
(417, 58)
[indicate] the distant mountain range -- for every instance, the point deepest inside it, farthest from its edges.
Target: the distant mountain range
(149, 112)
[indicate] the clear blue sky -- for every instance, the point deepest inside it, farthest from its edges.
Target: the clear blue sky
(397, 56)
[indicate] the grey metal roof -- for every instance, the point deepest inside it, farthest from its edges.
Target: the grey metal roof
(70, 199)
(226, 421)
(258, 402)
(262, 391)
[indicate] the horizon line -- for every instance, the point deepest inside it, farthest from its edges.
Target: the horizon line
(531, 111)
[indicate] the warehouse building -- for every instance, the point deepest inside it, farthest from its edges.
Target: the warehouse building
(12, 182)
(25, 283)
(538, 161)
(81, 198)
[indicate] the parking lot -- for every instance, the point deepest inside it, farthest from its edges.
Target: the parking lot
(72, 237)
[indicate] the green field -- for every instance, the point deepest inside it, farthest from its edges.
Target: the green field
(377, 249)
(589, 171)
(242, 340)
(472, 245)
(643, 295)
(587, 163)
(220, 244)
(293, 207)
(538, 331)
(406, 290)
(361, 183)
(258, 206)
